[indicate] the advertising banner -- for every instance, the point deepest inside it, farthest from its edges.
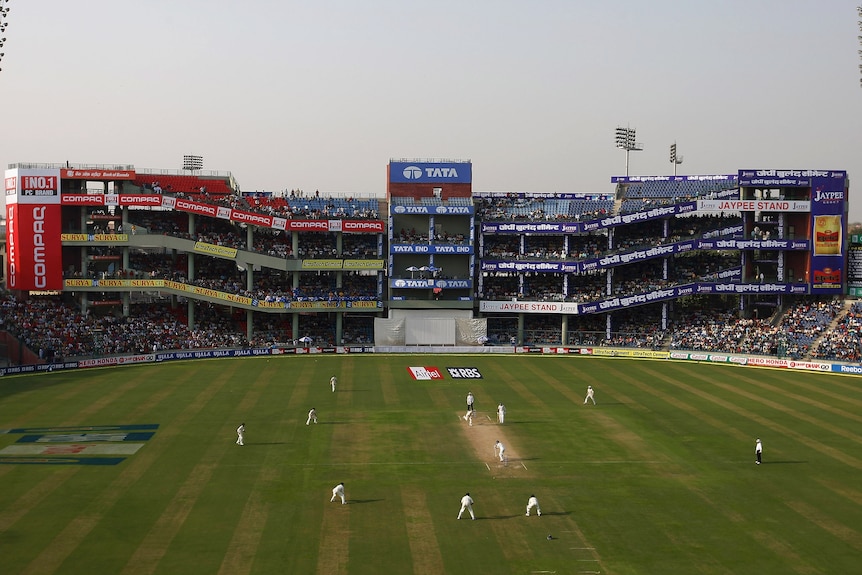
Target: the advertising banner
(430, 172)
(430, 283)
(96, 175)
(364, 264)
(33, 246)
(429, 249)
(215, 250)
(828, 233)
(432, 210)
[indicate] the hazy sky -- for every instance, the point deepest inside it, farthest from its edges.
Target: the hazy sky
(320, 95)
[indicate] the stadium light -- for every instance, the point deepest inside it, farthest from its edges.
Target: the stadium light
(859, 22)
(674, 158)
(625, 140)
(193, 163)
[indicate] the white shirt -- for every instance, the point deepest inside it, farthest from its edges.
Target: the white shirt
(533, 502)
(466, 500)
(338, 489)
(501, 409)
(758, 447)
(240, 430)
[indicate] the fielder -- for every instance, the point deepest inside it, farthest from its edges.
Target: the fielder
(338, 491)
(501, 413)
(240, 434)
(589, 396)
(533, 502)
(312, 416)
(469, 401)
(758, 451)
(467, 503)
(332, 382)
(499, 447)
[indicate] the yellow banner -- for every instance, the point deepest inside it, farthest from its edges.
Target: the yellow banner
(321, 264)
(365, 304)
(618, 352)
(316, 305)
(364, 264)
(215, 250)
(113, 238)
(271, 304)
(77, 283)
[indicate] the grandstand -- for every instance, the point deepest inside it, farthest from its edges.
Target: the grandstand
(722, 263)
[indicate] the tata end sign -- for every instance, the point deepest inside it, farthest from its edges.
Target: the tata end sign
(430, 172)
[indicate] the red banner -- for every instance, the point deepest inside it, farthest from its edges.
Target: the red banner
(94, 175)
(139, 200)
(251, 218)
(362, 226)
(34, 259)
(308, 225)
(82, 199)
(196, 207)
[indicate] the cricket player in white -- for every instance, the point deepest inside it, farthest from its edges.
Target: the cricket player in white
(501, 413)
(468, 417)
(758, 451)
(467, 503)
(533, 502)
(332, 382)
(338, 491)
(312, 416)
(469, 401)
(240, 433)
(498, 447)
(589, 396)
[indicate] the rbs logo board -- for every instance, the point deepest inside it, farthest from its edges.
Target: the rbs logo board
(464, 373)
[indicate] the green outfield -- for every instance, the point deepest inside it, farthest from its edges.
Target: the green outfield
(658, 478)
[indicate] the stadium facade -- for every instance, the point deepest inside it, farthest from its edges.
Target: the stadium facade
(434, 263)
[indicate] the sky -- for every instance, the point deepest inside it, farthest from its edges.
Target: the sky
(320, 95)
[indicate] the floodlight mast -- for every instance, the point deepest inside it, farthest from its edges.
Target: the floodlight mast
(859, 22)
(625, 140)
(193, 163)
(674, 158)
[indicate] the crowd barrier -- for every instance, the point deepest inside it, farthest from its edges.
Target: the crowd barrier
(610, 352)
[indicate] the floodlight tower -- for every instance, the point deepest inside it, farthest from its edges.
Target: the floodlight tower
(4, 12)
(859, 22)
(625, 140)
(193, 163)
(674, 158)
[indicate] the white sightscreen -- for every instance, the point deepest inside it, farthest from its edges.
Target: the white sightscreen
(430, 331)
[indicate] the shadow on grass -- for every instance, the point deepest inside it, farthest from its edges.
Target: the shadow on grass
(267, 443)
(359, 501)
(491, 517)
(782, 462)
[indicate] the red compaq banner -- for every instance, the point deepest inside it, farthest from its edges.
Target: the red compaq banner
(34, 259)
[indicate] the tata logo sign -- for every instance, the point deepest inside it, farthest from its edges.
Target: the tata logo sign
(412, 172)
(400, 249)
(453, 210)
(436, 172)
